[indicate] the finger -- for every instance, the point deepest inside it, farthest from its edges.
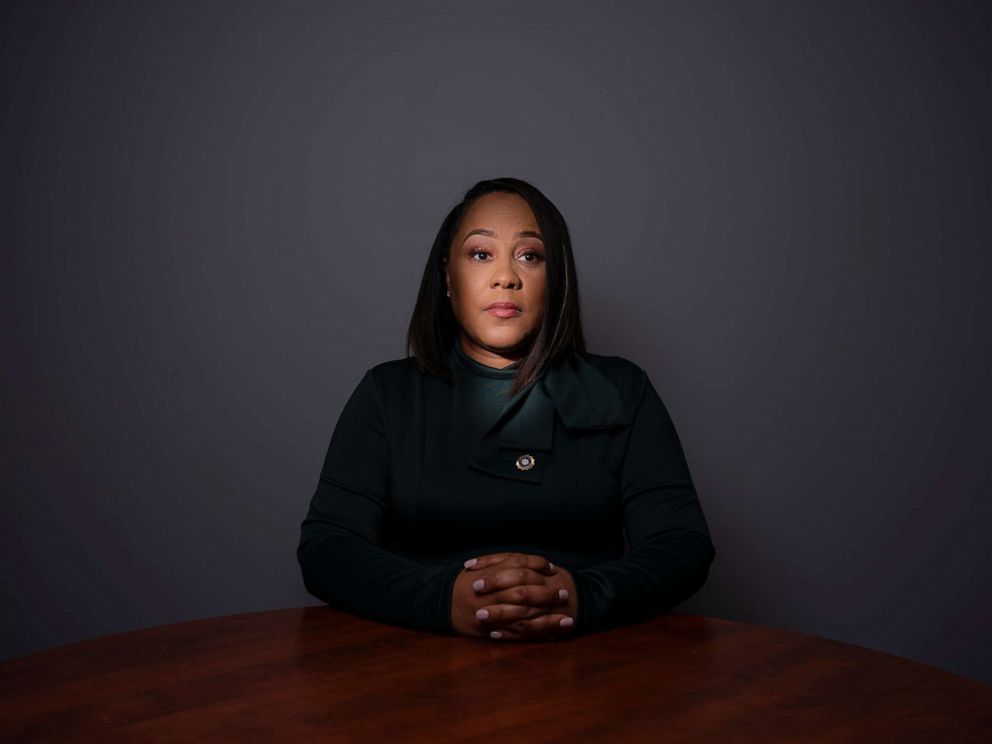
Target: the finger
(547, 628)
(504, 614)
(484, 561)
(551, 625)
(534, 562)
(506, 578)
(502, 634)
(532, 595)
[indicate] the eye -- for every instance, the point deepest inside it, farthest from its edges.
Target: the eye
(532, 257)
(477, 252)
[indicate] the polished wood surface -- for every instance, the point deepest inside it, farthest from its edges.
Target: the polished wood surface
(315, 672)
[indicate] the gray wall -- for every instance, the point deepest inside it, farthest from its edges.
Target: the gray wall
(215, 217)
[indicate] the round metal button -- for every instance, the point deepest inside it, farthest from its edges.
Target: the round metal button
(525, 462)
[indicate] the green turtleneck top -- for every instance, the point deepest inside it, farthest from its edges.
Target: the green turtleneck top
(423, 473)
(484, 392)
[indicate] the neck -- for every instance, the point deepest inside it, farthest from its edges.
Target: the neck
(494, 361)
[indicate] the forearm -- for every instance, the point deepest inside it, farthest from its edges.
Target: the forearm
(651, 579)
(670, 547)
(347, 571)
(343, 559)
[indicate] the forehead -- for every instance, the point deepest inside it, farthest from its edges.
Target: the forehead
(491, 210)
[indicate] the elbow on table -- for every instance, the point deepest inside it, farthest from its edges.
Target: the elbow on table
(702, 563)
(697, 556)
(318, 575)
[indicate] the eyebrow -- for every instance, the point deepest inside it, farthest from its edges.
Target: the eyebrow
(491, 234)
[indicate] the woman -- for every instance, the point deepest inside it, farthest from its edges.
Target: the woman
(486, 485)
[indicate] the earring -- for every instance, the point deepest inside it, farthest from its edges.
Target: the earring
(449, 293)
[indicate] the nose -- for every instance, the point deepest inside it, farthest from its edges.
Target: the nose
(505, 273)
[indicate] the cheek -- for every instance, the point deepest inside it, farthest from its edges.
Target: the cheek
(464, 303)
(538, 296)
(465, 288)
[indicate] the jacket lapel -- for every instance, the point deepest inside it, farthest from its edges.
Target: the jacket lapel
(584, 398)
(517, 443)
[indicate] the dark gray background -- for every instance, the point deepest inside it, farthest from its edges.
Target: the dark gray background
(215, 217)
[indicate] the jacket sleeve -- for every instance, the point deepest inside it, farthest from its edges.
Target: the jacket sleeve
(670, 551)
(340, 554)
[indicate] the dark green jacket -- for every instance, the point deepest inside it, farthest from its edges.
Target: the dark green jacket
(405, 497)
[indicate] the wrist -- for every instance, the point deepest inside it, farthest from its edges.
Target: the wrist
(572, 609)
(462, 611)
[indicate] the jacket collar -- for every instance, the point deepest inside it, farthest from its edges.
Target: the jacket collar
(582, 397)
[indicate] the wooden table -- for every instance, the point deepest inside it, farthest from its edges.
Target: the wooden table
(318, 673)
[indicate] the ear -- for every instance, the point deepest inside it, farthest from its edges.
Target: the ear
(447, 273)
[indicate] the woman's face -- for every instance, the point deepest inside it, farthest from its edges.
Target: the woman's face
(497, 256)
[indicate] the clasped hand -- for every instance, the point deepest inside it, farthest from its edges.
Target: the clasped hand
(513, 596)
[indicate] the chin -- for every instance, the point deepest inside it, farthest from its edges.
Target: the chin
(505, 337)
(504, 345)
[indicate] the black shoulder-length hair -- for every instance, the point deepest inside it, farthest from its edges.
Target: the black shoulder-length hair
(433, 327)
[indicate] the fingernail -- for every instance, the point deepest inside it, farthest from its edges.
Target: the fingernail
(563, 594)
(471, 562)
(478, 584)
(552, 566)
(495, 634)
(482, 614)
(566, 622)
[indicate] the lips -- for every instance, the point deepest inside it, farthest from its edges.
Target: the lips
(503, 309)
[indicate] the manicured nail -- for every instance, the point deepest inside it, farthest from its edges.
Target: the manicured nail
(482, 614)
(471, 562)
(563, 594)
(478, 585)
(495, 634)
(566, 622)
